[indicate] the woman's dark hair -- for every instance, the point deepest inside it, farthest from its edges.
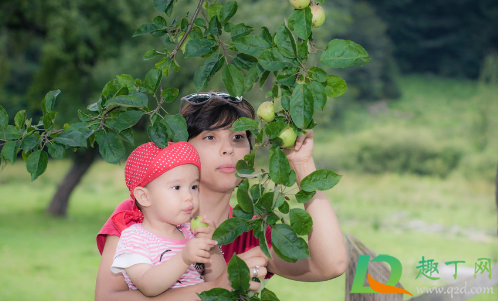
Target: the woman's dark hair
(215, 114)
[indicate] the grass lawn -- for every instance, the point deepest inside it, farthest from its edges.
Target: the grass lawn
(405, 216)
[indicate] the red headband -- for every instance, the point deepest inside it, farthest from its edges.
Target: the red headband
(148, 162)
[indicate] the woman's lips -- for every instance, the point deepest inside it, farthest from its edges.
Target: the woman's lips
(227, 168)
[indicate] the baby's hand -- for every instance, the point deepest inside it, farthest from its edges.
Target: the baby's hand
(197, 250)
(205, 232)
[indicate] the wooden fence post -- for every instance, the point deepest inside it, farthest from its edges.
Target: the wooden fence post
(378, 270)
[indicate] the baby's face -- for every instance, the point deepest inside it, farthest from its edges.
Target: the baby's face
(174, 195)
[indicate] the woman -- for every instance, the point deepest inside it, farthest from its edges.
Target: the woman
(209, 119)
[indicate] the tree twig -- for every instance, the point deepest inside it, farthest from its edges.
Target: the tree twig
(189, 29)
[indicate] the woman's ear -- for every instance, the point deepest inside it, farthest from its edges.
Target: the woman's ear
(142, 196)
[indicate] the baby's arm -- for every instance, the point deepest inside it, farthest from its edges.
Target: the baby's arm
(217, 265)
(153, 280)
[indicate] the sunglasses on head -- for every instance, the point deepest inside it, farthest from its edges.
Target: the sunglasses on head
(196, 99)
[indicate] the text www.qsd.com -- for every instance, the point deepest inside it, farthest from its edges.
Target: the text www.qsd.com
(455, 290)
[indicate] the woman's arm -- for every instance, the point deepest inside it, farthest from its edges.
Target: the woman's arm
(328, 257)
(216, 267)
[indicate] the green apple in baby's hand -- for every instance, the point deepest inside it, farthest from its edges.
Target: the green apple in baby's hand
(196, 222)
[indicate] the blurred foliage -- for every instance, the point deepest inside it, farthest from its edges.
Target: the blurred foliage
(444, 37)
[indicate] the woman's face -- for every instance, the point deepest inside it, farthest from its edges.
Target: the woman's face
(219, 151)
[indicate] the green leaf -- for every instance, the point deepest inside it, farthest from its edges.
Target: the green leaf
(301, 221)
(321, 179)
(336, 86)
(71, 139)
(318, 74)
(127, 135)
(49, 101)
(218, 294)
(287, 77)
(9, 151)
(176, 127)
(126, 80)
(170, 94)
(163, 64)
(111, 148)
(160, 22)
(153, 79)
(123, 120)
(273, 129)
(214, 9)
(238, 212)
(29, 142)
(264, 33)
(56, 150)
(285, 239)
(37, 163)
(292, 179)
(284, 208)
(300, 22)
(245, 61)
(10, 132)
(244, 124)
(240, 30)
(263, 78)
(227, 11)
(273, 60)
(131, 101)
(279, 166)
(158, 134)
(151, 54)
(251, 45)
(200, 22)
(233, 79)
(267, 295)
(229, 230)
(301, 106)
(161, 5)
(318, 93)
(243, 169)
(243, 198)
(302, 50)
(255, 192)
(4, 118)
(200, 47)
(145, 29)
(204, 73)
(214, 26)
(251, 77)
(285, 42)
(265, 203)
(304, 196)
(48, 121)
(344, 53)
(20, 118)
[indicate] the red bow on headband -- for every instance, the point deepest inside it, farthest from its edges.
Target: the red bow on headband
(126, 218)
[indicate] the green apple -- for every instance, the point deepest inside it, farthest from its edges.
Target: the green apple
(288, 137)
(318, 15)
(266, 111)
(299, 4)
(196, 222)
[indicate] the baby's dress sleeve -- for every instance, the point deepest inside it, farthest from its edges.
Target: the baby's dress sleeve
(131, 250)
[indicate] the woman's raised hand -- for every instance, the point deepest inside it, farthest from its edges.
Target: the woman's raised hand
(302, 151)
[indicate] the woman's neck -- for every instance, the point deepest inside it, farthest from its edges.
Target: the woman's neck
(214, 205)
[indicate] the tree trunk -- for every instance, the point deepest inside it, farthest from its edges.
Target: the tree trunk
(81, 163)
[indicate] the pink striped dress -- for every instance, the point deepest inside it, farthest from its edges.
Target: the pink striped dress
(137, 245)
